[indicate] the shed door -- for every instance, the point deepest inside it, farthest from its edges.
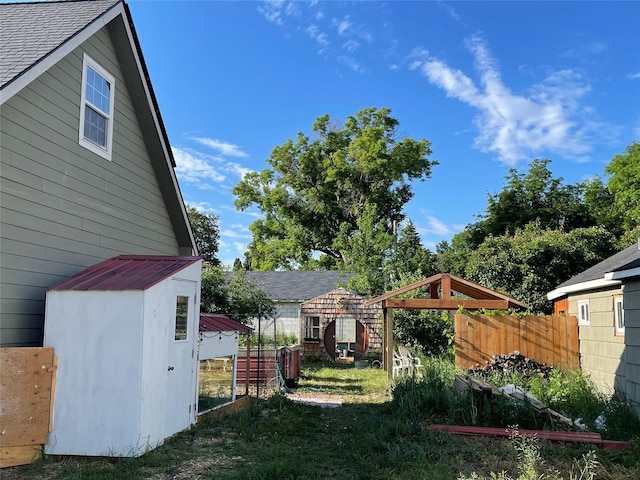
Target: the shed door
(181, 390)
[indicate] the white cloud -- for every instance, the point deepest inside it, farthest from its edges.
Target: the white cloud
(351, 46)
(240, 231)
(513, 126)
(343, 26)
(195, 169)
(225, 148)
(315, 33)
(436, 226)
(351, 63)
(633, 76)
(271, 11)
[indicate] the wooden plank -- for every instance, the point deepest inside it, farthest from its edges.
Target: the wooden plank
(553, 436)
(26, 395)
(20, 455)
(439, 304)
(54, 378)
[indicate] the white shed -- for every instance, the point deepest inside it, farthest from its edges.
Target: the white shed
(125, 332)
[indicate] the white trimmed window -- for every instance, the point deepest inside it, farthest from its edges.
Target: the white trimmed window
(96, 109)
(618, 315)
(311, 328)
(583, 312)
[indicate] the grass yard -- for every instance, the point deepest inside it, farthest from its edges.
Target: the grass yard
(370, 436)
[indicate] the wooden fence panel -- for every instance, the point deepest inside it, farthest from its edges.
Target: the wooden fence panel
(26, 384)
(546, 339)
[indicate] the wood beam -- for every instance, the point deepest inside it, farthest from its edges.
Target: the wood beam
(440, 304)
(446, 287)
(388, 341)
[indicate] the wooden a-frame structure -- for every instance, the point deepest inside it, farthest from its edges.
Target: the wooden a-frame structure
(442, 287)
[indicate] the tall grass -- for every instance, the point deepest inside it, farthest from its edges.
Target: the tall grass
(431, 397)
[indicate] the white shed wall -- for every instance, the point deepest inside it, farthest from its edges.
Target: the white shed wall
(97, 340)
(217, 344)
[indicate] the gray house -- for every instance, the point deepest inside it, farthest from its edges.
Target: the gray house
(86, 169)
(289, 290)
(606, 300)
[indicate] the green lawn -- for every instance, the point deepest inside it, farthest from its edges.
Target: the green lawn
(368, 437)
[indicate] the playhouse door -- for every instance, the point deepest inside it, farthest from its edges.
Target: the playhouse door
(181, 371)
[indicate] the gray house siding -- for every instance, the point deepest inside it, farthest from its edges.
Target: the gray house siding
(601, 350)
(64, 208)
(631, 305)
(287, 321)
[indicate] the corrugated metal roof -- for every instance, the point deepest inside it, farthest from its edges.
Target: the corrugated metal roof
(127, 272)
(215, 322)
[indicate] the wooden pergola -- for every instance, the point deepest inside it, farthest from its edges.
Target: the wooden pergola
(443, 288)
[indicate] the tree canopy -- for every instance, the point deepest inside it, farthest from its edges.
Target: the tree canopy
(327, 197)
(233, 294)
(532, 196)
(207, 234)
(624, 184)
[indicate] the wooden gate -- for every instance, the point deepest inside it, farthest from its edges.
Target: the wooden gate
(546, 339)
(27, 384)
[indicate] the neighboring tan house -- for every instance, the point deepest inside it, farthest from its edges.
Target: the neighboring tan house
(606, 300)
(86, 169)
(289, 290)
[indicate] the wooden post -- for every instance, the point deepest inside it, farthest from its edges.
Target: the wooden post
(388, 340)
(445, 294)
(248, 364)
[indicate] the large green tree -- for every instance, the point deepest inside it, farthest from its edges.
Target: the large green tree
(535, 260)
(624, 184)
(233, 294)
(532, 196)
(334, 193)
(206, 232)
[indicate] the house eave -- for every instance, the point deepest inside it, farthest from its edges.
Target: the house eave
(623, 274)
(583, 286)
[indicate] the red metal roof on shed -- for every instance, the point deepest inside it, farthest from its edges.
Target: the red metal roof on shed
(127, 272)
(215, 322)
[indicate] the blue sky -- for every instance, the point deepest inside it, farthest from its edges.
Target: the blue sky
(492, 85)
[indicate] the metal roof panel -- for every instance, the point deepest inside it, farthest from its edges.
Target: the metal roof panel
(126, 272)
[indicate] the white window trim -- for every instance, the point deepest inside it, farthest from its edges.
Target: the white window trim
(618, 301)
(89, 145)
(582, 319)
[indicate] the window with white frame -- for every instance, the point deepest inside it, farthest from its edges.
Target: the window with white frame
(583, 312)
(311, 328)
(618, 315)
(96, 109)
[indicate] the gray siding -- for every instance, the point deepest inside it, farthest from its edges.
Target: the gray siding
(631, 304)
(601, 350)
(287, 321)
(64, 208)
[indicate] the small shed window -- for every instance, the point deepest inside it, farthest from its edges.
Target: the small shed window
(312, 328)
(583, 312)
(618, 314)
(182, 316)
(96, 109)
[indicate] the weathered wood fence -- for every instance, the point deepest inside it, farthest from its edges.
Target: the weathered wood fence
(546, 339)
(27, 381)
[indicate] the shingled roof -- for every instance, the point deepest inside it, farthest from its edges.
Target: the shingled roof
(608, 272)
(31, 31)
(299, 286)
